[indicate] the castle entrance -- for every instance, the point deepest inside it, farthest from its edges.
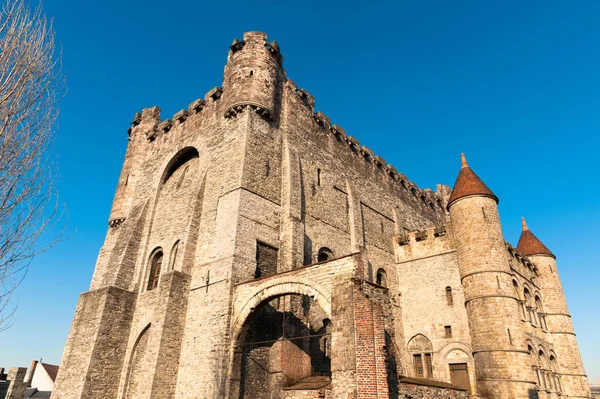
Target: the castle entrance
(459, 375)
(287, 340)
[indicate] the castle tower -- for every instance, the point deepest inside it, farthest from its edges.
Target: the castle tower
(574, 380)
(143, 126)
(492, 308)
(253, 76)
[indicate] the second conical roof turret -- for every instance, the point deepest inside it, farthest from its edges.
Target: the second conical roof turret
(529, 244)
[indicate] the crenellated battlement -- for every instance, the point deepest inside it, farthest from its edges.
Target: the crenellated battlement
(418, 244)
(243, 89)
(427, 196)
(150, 123)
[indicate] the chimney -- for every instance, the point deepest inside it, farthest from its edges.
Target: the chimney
(31, 371)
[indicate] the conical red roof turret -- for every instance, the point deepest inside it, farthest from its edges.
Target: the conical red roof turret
(468, 183)
(529, 244)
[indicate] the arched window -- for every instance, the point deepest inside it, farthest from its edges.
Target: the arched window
(555, 374)
(540, 312)
(179, 160)
(528, 305)
(324, 255)
(449, 298)
(534, 364)
(155, 264)
(135, 380)
(381, 278)
(421, 349)
(521, 302)
(543, 370)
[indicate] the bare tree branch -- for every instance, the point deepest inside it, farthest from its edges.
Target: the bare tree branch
(31, 86)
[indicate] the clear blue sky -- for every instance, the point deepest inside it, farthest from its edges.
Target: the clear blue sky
(515, 85)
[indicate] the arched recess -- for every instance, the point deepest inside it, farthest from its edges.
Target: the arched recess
(179, 161)
(325, 254)
(173, 255)
(272, 289)
(284, 330)
(134, 381)
(155, 265)
(421, 350)
(458, 365)
(381, 278)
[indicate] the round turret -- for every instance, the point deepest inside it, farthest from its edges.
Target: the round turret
(253, 76)
(492, 308)
(555, 313)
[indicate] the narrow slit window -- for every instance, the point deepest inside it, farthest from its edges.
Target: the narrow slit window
(318, 177)
(449, 298)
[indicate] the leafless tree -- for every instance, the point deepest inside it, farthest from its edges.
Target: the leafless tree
(31, 86)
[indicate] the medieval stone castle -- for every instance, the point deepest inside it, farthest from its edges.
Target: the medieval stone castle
(257, 251)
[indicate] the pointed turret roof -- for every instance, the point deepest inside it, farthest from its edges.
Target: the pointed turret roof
(468, 183)
(529, 244)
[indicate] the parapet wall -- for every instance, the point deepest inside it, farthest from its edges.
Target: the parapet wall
(419, 244)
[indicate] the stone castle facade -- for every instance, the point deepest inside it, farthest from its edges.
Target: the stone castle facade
(255, 250)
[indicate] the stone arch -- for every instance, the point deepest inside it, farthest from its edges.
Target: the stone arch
(419, 343)
(324, 254)
(261, 306)
(178, 160)
(458, 356)
(452, 346)
(135, 358)
(279, 287)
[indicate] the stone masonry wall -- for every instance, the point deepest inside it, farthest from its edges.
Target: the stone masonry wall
(426, 267)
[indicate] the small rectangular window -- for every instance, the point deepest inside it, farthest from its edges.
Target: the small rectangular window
(448, 330)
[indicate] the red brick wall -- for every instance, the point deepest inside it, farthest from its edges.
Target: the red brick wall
(371, 373)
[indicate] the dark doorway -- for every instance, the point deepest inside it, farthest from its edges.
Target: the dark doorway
(288, 339)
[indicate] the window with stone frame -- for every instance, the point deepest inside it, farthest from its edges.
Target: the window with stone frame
(448, 331)
(155, 266)
(422, 352)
